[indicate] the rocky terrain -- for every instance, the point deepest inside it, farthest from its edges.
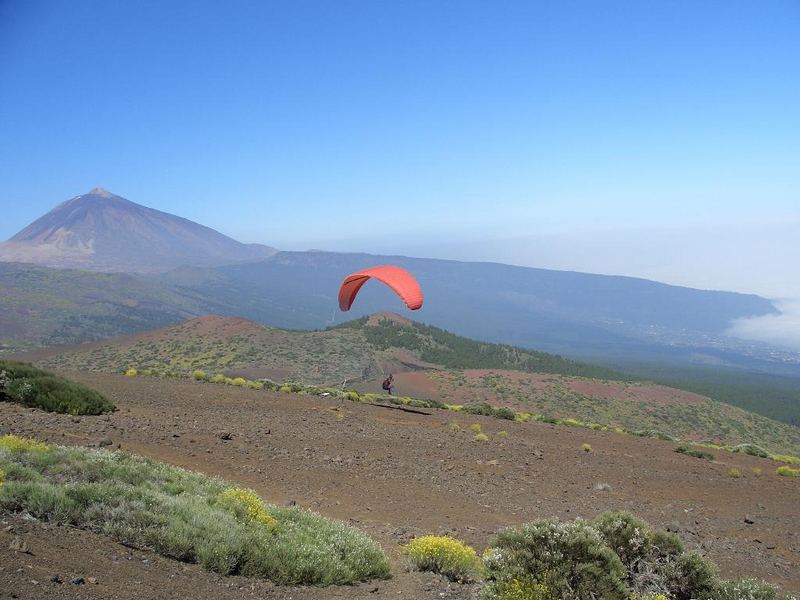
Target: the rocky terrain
(395, 475)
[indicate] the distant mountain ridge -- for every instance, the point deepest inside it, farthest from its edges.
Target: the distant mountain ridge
(101, 231)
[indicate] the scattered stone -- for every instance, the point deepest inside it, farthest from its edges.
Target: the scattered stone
(56, 579)
(92, 580)
(748, 520)
(77, 581)
(291, 503)
(225, 435)
(102, 442)
(602, 487)
(19, 545)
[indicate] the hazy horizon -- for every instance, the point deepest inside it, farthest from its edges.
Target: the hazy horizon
(656, 141)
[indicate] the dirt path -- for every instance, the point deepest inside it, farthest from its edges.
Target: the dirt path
(396, 475)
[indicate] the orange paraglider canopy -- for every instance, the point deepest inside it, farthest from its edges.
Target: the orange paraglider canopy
(400, 280)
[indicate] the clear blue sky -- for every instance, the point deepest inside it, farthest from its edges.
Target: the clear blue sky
(350, 124)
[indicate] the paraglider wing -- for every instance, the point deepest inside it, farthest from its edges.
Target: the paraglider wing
(401, 281)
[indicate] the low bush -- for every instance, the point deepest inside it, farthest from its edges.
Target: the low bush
(481, 437)
(695, 453)
(504, 413)
(617, 556)
(734, 473)
(502, 434)
(454, 427)
(131, 372)
(586, 447)
(218, 378)
(480, 408)
(444, 555)
(792, 460)
(752, 450)
(475, 428)
(787, 471)
(199, 375)
(654, 433)
(183, 515)
(568, 560)
(25, 384)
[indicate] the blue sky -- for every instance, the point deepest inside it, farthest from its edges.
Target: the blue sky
(465, 129)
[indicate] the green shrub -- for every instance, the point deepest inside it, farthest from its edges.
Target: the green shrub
(444, 555)
(183, 515)
(480, 408)
(752, 450)
(695, 453)
(654, 433)
(628, 536)
(481, 437)
(786, 471)
(218, 378)
(734, 473)
(569, 559)
(199, 375)
(502, 434)
(505, 413)
(29, 386)
(131, 372)
(586, 447)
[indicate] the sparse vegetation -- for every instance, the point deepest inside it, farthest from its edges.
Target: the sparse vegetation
(481, 437)
(586, 447)
(694, 452)
(444, 555)
(734, 473)
(25, 384)
(786, 471)
(199, 375)
(475, 428)
(183, 515)
(502, 434)
(454, 427)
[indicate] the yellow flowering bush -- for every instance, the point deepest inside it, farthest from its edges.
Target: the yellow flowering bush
(2, 477)
(444, 555)
(475, 428)
(454, 427)
(586, 447)
(199, 375)
(734, 473)
(13, 443)
(788, 471)
(481, 437)
(521, 589)
(131, 372)
(246, 505)
(502, 434)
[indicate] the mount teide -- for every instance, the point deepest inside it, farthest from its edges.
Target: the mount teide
(104, 232)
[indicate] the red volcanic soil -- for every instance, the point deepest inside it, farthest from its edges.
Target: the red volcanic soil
(442, 385)
(394, 475)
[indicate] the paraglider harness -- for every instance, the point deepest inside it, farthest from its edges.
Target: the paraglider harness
(387, 384)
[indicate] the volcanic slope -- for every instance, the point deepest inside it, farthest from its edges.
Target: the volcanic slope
(428, 363)
(104, 232)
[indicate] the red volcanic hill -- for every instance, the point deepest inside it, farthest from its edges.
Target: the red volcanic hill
(104, 232)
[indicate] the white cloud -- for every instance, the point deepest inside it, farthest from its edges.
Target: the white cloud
(780, 330)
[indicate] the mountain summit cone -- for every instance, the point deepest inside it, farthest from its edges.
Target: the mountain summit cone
(105, 232)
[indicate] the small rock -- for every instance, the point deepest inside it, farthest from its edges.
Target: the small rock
(291, 503)
(56, 579)
(602, 487)
(225, 435)
(748, 520)
(102, 442)
(19, 545)
(92, 580)
(77, 581)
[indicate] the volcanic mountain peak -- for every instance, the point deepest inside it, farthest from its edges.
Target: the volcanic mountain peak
(103, 231)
